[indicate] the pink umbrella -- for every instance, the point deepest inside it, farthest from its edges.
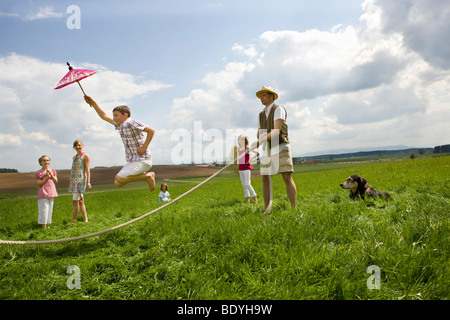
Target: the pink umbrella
(74, 75)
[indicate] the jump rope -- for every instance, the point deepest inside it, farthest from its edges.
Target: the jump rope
(31, 242)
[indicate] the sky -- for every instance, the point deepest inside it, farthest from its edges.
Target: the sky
(353, 75)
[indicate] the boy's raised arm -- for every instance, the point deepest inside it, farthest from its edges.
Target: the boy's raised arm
(99, 110)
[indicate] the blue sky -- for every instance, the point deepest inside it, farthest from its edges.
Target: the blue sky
(164, 38)
(351, 74)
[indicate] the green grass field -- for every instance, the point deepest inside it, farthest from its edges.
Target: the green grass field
(212, 245)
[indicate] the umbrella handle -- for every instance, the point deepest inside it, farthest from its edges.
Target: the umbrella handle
(82, 89)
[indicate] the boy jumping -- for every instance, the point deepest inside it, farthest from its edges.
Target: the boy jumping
(139, 159)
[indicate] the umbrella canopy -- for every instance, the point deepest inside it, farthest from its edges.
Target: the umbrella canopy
(74, 75)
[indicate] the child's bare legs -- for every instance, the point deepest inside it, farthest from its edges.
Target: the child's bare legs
(83, 210)
(255, 199)
(76, 208)
(148, 176)
(78, 205)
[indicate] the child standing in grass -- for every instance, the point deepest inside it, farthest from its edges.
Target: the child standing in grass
(139, 159)
(46, 179)
(245, 169)
(80, 177)
(164, 195)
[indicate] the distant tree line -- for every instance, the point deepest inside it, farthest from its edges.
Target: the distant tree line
(5, 170)
(442, 149)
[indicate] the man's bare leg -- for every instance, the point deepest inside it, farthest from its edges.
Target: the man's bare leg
(266, 190)
(291, 189)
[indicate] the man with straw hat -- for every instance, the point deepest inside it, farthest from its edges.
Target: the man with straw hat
(273, 134)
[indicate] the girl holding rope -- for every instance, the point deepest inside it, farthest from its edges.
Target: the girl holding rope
(245, 169)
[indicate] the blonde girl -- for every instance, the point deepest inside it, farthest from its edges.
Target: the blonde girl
(245, 169)
(46, 179)
(80, 177)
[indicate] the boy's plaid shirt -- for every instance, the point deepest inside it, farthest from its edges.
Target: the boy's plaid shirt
(133, 137)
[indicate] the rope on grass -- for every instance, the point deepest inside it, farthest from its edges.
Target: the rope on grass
(30, 242)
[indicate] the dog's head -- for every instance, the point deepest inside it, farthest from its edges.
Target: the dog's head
(354, 183)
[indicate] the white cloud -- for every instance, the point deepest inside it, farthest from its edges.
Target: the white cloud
(249, 51)
(423, 25)
(374, 105)
(215, 5)
(117, 86)
(221, 105)
(8, 15)
(44, 13)
(36, 119)
(382, 82)
(10, 141)
(315, 63)
(350, 87)
(43, 137)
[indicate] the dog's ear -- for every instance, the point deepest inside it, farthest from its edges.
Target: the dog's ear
(361, 184)
(363, 181)
(358, 179)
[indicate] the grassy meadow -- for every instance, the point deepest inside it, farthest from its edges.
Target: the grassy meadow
(213, 245)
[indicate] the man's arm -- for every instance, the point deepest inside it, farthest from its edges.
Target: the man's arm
(263, 137)
(99, 111)
(150, 133)
(276, 130)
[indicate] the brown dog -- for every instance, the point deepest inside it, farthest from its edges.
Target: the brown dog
(359, 187)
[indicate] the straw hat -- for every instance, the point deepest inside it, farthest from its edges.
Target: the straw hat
(269, 90)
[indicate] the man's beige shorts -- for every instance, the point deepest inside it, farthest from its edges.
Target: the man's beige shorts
(278, 163)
